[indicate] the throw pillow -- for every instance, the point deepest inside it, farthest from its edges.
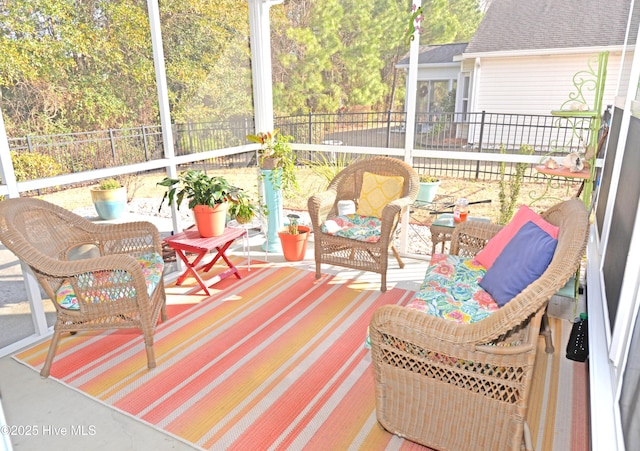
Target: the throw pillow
(523, 260)
(494, 247)
(377, 191)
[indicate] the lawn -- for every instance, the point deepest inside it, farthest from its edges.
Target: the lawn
(145, 186)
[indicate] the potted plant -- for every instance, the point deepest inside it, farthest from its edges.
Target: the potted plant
(243, 210)
(276, 155)
(209, 198)
(293, 239)
(109, 198)
(428, 188)
(277, 172)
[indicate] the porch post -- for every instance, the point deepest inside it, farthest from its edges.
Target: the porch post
(30, 283)
(260, 39)
(6, 166)
(410, 123)
(163, 98)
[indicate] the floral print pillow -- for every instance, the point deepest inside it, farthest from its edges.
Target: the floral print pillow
(450, 290)
(354, 227)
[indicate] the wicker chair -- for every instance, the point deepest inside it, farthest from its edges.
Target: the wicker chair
(453, 386)
(351, 253)
(106, 282)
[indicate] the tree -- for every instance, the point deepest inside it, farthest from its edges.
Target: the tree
(74, 65)
(79, 65)
(447, 21)
(208, 62)
(333, 54)
(342, 53)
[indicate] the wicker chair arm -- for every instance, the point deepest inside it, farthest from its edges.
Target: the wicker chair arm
(390, 215)
(393, 325)
(399, 204)
(470, 237)
(64, 269)
(427, 331)
(319, 206)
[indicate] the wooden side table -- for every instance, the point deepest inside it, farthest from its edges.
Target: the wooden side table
(191, 241)
(442, 229)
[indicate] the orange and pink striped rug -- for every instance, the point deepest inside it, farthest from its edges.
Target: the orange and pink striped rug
(274, 360)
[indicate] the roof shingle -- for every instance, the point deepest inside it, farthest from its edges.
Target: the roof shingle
(436, 54)
(552, 24)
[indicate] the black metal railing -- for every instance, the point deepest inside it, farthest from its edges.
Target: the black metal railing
(469, 132)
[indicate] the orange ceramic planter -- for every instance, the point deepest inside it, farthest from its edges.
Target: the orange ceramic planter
(294, 246)
(210, 221)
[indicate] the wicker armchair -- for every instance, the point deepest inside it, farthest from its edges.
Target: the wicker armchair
(99, 266)
(351, 253)
(466, 386)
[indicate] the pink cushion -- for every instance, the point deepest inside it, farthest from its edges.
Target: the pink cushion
(494, 247)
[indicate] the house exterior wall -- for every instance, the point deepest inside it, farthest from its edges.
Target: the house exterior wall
(434, 72)
(534, 84)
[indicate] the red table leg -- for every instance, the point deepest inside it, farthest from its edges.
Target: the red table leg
(192, 269)
(191, 241)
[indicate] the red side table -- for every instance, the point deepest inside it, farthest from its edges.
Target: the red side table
(191, 241)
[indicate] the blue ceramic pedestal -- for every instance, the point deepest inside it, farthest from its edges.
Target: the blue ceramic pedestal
(273, 200)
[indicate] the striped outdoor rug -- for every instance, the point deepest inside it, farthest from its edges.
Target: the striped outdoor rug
(274, 360)
(559, 402)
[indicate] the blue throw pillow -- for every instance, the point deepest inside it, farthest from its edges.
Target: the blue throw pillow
(521, 262)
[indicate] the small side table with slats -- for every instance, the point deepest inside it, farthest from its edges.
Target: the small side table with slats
(191, 241)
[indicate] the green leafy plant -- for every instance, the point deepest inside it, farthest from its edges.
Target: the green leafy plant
(243, 209)
(424, 178)
(108, 184)
(199, 188)
(33, 165)
(328, 167)
(277, 147)
(508, 203)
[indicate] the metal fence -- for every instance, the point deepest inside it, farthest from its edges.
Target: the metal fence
(470, 132)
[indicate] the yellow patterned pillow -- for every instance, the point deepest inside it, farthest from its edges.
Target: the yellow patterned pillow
(377, 191)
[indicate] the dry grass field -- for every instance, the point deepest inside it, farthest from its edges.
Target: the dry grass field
(145, 186)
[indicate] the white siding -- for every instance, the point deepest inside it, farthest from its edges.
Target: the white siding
(535, 84)
(434, 72)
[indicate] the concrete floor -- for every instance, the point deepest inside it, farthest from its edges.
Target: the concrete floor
(45, 414)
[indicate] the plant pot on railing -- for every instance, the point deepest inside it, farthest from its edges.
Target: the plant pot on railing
(109, 199)
(428, 190)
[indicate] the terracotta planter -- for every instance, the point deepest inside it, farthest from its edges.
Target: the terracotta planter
(294, 247)
(210, 221)
(109, 203)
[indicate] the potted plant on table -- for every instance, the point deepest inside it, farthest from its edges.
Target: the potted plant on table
(294, 239)
(109, 198)
(209, 198)
(428, 188)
